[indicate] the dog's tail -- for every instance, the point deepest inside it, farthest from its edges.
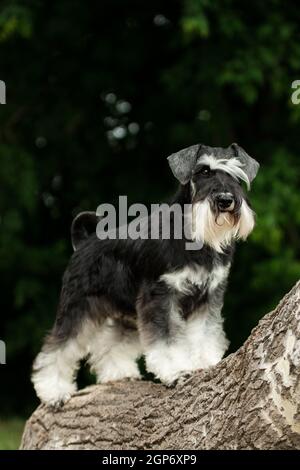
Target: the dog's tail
(83, 226)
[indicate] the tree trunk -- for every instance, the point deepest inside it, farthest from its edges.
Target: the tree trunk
(250, 400)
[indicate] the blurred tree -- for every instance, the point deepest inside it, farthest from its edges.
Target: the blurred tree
(98, 94)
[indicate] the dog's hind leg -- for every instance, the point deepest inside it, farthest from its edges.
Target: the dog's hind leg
(55, 367)
(113, 352)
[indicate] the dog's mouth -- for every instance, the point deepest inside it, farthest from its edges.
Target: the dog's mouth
(218, 207)
(224, 206)
(230, 208)
(224, 201)
(226, 210)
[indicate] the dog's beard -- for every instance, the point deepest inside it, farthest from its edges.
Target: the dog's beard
(219, 230)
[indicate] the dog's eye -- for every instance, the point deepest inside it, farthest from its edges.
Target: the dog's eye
(204, 171)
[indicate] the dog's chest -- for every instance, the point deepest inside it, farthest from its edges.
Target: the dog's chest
(192, 285)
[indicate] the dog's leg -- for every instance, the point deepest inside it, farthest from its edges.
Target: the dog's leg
(114, 351)
(54, 369)
(216, 343)
(206, 336)
(163, 334)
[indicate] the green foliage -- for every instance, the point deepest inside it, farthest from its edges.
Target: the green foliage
(11, 433)
(191, 71)
(15, 20)
(195, 21)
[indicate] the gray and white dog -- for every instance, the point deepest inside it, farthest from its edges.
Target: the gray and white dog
(124, 298)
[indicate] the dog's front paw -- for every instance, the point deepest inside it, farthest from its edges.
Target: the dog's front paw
(180, 380)
(169, 364)
(54, 393)
(114, 372)
(58, 402)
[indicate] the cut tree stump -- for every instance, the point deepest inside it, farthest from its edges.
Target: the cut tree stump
(250, 400)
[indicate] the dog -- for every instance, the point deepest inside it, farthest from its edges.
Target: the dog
(124, 298)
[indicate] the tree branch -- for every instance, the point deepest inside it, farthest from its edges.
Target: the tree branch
(250, 400)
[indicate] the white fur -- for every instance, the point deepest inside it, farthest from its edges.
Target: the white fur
(180, 279)
(169, 362)
(246, 222)
(199, 342)
(231, 166)
(55, 367)
(206, 337)
(198, 276)
(53, 379)
(112, 357)
(219, 233)
(113, 353)
(217, 276)
(196, 343)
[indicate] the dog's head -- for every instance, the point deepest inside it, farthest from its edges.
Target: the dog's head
(220, 209)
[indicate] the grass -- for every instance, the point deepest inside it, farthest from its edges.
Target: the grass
(11, 433)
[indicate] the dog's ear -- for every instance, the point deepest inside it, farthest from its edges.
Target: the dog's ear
(183, 162)
(251, 166)
(82, 227)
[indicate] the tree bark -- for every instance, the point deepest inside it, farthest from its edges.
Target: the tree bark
(250, 400)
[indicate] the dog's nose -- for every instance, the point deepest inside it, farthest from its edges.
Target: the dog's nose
(225, 201)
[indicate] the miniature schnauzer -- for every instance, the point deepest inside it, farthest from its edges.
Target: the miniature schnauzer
(125, 298)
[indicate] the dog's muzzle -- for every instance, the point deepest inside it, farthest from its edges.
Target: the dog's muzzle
(225, 202)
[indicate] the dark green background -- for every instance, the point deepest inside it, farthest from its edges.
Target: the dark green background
(193, 71)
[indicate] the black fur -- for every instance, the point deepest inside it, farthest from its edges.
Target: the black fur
(160, 295)
(82, 227)
(120, 278)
